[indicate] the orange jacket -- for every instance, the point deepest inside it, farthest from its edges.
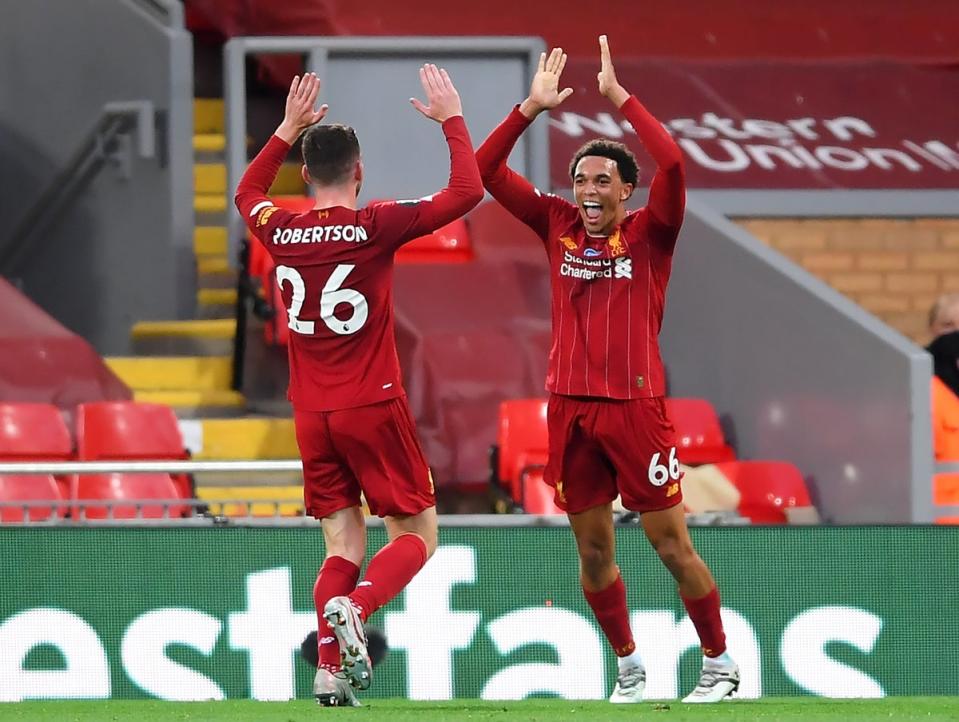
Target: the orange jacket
(945, 422)
(945, 443)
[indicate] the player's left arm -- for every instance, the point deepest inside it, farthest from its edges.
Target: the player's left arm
(251, 198)
(406, 220)
(667, 191)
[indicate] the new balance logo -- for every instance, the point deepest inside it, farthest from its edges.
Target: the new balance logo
(365, 583)
(623, 268)
(327, 640)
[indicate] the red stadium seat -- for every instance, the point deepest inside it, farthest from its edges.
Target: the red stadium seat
(36, 432)
(699, 437)
(131, 430)
(121, 487)
(538, 497)
(29, 487)
(449, 244)
(522, 442)
(767, 489)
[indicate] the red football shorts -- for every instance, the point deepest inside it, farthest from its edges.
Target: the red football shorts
(373, 449)
(600, 448)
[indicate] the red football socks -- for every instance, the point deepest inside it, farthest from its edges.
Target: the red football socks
(390, 570)
(336, 577)
(609, 606)
(704, 613)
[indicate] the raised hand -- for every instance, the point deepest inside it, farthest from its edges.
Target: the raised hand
(300, 102)
(441, 97)
(608, 84)
(544, 92)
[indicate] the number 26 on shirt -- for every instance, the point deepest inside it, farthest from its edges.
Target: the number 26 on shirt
(331, 296)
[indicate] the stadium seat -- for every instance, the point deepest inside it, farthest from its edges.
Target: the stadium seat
(121, 487)
(521, 442)
(449, 244)
(538, 497)
(131, 430)
(767, 489)
(36, 432)
(29, 487)
(699, 437)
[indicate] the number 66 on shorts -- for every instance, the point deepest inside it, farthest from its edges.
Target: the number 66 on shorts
(603, 448)
(659, 474)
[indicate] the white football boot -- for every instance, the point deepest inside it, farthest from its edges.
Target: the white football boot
(344, 620)
(630, 685)
(719, 681)
(331, 690)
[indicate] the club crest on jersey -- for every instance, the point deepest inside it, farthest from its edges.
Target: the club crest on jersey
(615, 244)
(265, 216)
(568, 242)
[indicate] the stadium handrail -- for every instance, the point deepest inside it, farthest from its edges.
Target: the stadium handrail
(98, 147)
(318, 51)
(149, 466)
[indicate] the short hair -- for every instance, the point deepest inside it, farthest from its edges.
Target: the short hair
(330, 152)
(943, 302)
(625, 160)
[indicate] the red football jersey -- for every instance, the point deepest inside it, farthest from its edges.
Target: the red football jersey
(334, 267)
(608, 293)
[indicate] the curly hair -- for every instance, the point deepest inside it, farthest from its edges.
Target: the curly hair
(623, 156)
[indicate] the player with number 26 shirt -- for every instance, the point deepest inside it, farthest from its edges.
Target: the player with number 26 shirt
(334, 265)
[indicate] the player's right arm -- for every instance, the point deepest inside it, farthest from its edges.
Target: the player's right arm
(512, 190)
(251, 194)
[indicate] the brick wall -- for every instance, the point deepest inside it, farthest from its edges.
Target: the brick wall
(894, 269)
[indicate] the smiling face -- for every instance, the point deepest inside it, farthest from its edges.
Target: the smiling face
(600, 194)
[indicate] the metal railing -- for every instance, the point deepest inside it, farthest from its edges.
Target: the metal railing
(153, 511)
(147, 466)
(318, 51)
(106, 142)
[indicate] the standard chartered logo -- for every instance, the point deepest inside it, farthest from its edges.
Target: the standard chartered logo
(433, 638)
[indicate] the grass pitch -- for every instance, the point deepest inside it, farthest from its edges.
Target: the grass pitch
(929, 709)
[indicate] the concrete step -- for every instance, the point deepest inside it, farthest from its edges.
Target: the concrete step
(210, 178)
(207, 265)
(195, 337)
(209, 143)
(173, 373)
(210, 241)
(220, 328)
(197, 404)
(208, 115)
(219, 280)
(246, 438)
(220, 297)
(216, 303)
(209, 203)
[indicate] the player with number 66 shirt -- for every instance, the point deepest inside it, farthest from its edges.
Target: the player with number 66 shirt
(609, 433)
(334, 266)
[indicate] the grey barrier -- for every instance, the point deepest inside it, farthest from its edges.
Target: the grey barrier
(367, 81)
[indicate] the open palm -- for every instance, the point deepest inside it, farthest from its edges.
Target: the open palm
(544, 90)
(300, 113)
